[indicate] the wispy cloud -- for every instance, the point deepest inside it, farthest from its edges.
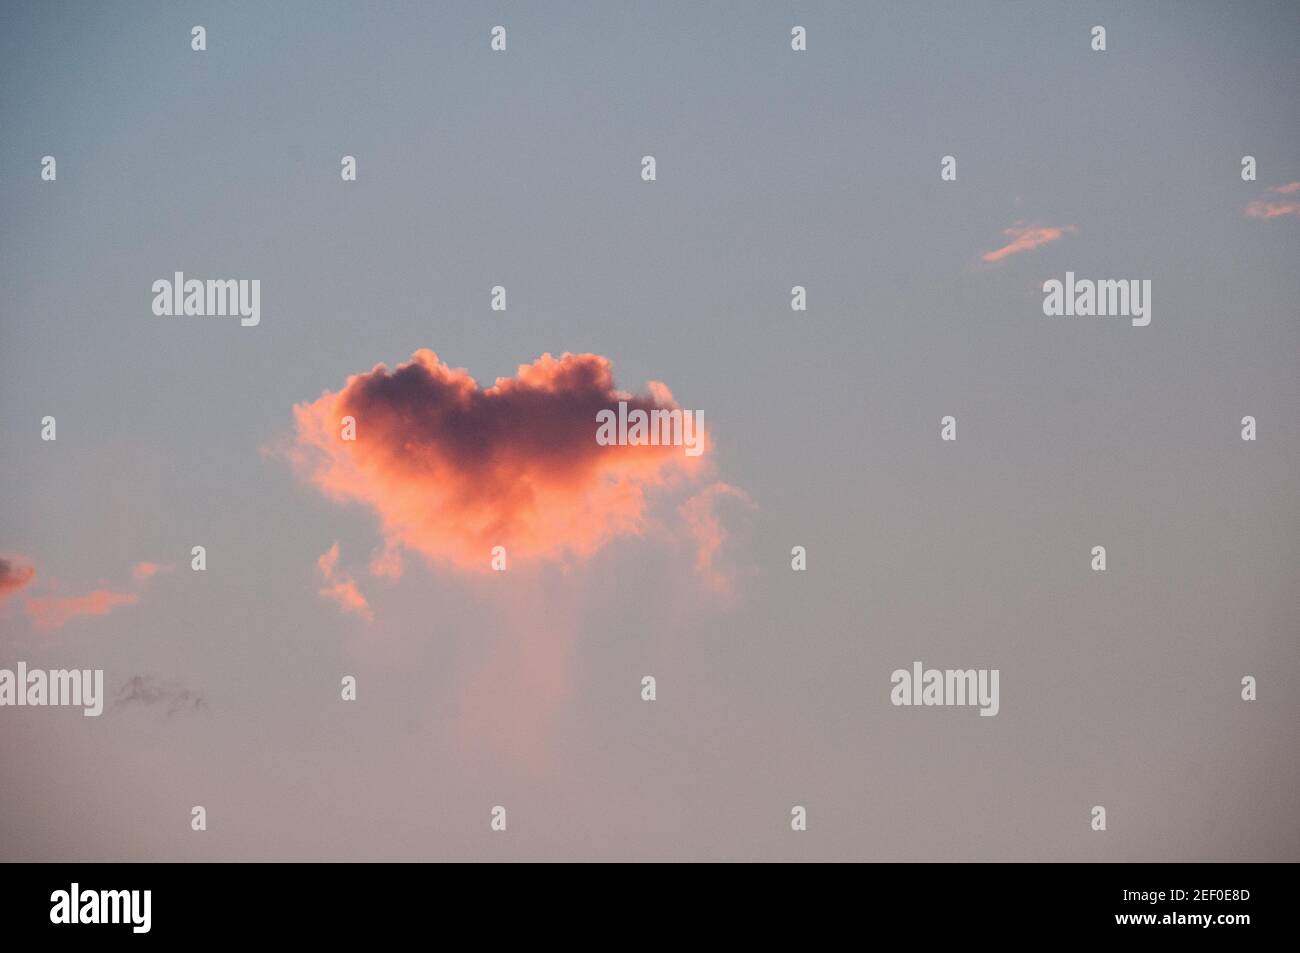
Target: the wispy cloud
(1025, 238)
(51, 612)
(709, 534)
(1263, 208)
(147, 570)
(1276, 208)
(340, 586)
(148, 690)
(386, 561)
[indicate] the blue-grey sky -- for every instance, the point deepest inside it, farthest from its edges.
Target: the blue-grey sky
(775, 168)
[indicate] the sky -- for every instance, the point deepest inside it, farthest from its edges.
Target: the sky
(523, 688)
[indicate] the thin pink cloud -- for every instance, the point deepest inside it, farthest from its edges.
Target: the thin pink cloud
(1025, 238)
(705, 524)
(1276, 208)
(386, 561)
(51, 612)
(1261, 208)
(147, 570)
(55, 611)
(340, 587)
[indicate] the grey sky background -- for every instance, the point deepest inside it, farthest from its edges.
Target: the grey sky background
(774, 168)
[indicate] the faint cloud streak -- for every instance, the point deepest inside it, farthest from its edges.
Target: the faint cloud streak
(1025, 238)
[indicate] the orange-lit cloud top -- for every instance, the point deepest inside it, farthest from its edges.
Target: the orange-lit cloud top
(453, 469)
(50, 612)
(1024, 238)
(13, 576)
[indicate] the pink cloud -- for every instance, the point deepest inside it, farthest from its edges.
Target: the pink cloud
(1026, 237)
(13, 575)
(341, 587)
(147, 570)
(709, 534)
(386, 561)
(1261, 208)
(54, 611)
(1276, 208)
(453, 469)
